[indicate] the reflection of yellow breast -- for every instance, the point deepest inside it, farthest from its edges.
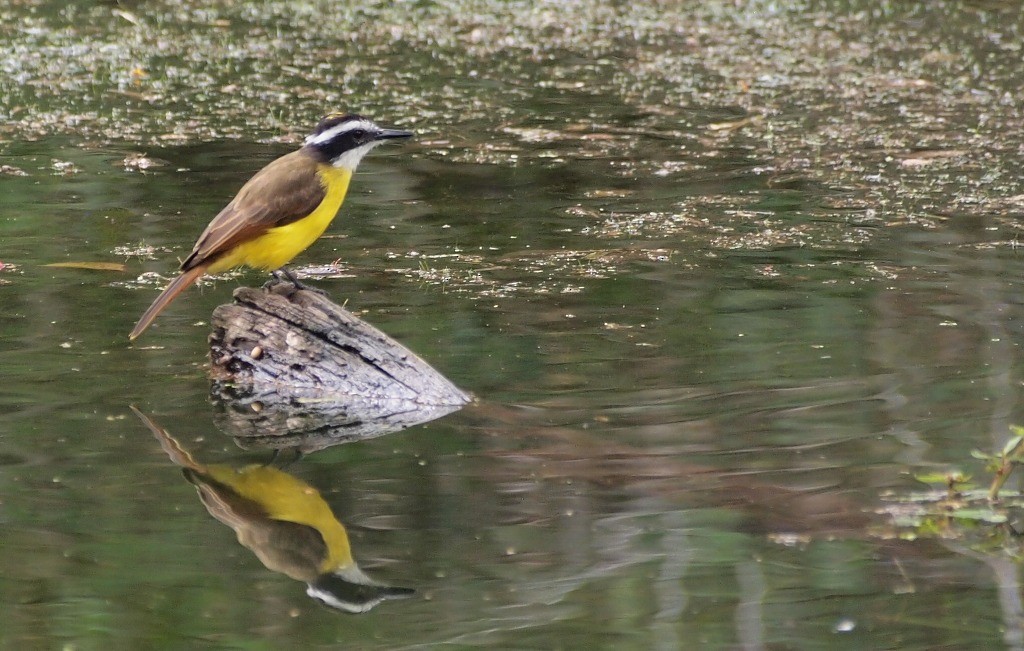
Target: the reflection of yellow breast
(279, 245)
(286, 498)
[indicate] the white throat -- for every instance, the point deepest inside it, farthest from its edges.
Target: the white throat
(350, 159)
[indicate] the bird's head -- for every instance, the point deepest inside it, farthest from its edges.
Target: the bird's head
(350, 590)
(342, 140)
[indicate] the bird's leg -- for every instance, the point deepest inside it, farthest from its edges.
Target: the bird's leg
(285, 274)
(279, 462)
(278, 284)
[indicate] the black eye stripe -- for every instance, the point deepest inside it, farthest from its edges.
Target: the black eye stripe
(342, 142)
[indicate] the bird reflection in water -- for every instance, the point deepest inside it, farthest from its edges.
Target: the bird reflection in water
(286, 523)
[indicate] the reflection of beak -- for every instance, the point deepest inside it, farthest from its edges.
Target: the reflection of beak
(352, 591)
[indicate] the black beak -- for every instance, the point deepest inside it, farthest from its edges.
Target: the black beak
(393, 134)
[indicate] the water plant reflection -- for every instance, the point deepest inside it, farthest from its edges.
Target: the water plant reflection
(285, 522)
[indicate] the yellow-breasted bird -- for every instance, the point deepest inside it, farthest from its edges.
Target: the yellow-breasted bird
(281, 210)
(286, 523)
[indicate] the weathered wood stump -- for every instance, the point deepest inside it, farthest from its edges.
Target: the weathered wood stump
(296, 370)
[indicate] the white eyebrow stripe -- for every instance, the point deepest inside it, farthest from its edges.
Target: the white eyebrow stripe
(334, 132)
(334, 602)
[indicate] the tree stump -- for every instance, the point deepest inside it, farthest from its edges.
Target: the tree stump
(297, 370)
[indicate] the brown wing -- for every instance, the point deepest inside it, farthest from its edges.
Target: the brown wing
(284, 191)
(294, 549)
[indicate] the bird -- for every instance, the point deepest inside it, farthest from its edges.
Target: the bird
(285, 522)
(282, 209)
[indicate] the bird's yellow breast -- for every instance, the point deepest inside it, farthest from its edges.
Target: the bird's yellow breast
(288, 499)
(276, 247)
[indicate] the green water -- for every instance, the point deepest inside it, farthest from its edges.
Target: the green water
(722, 276)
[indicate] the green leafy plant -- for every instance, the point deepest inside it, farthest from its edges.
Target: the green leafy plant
(1002, 463)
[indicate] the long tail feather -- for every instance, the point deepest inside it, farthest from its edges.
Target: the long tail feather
(174, 450)
(177, 286)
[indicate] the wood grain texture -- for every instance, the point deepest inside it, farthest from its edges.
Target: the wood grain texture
(296, 370)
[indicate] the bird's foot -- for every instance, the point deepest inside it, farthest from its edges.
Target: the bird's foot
(285, 275)
(280, 286)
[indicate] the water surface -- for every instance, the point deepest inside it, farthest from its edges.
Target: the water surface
(722, 278)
